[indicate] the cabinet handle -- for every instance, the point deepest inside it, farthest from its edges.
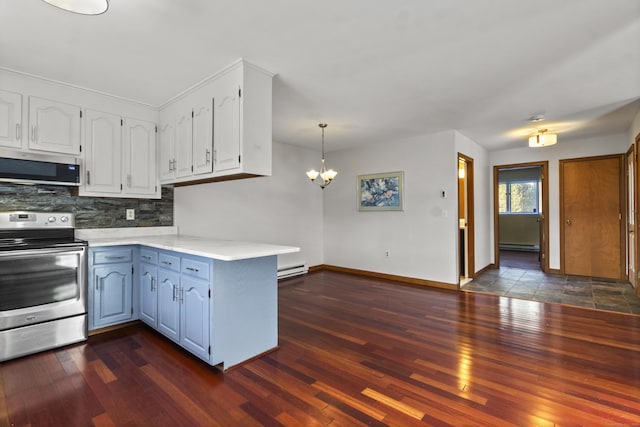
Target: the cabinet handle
(114, 257)
(88, 177)
(33, 133)
(146, 257)
(153, 282)
(97, 284)
(208, 156)
(170, 167)
(175, 164)
(195, 270)
(174, 292)
(215, 156)
(17, 131)
(181, 295)
(166, 262)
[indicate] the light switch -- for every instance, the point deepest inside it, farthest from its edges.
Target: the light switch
(131, 214)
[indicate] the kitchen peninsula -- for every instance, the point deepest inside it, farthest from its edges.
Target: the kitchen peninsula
(215, 298)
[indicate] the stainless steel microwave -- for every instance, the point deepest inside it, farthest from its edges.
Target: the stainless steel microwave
(38, 172)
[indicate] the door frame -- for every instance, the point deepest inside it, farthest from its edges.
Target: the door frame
(623, 208)
(469, 186)
(544, 217)
(632, 157)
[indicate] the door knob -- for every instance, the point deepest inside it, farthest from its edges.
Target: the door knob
(568, 222)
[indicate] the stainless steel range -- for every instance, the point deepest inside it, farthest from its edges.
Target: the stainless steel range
(43, 283)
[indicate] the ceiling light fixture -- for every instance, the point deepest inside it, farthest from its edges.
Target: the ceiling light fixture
(326, 176)
(83, 7)
(543, 139)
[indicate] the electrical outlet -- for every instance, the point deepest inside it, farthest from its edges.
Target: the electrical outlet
(131, 214)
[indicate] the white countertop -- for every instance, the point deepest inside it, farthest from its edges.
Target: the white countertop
(166, 238)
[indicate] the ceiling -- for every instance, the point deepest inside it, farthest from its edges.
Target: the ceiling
(375, 71)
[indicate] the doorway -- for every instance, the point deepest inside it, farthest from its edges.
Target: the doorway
(521, 203)
(592, 232)
(466, 242)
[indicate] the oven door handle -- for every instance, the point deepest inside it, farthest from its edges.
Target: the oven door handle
(20, 253)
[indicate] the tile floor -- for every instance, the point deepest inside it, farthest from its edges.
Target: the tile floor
(533, 284)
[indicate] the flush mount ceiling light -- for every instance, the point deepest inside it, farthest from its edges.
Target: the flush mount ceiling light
(83, 7)
(326, 176)
(543, 139)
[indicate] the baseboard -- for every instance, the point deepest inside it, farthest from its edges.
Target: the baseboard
(114, 327)
(384, 276)
(554, 271)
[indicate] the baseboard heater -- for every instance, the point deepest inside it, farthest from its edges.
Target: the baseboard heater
(519, 247)
(292, 270)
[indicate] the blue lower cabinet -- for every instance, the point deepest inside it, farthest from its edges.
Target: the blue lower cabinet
(184, 301)
(148, 282)
(169, 303)
(110, 286)
(194, 316)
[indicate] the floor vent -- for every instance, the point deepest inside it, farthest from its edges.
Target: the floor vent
(292, 270)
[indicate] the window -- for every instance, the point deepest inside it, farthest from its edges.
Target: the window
(518, 197)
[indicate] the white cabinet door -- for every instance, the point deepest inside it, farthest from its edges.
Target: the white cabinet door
(169, 304)
(54, 126)
(139, 176)
(184, 147)
(203, 139)
(103, 152)
(226, 140)
(166, 143)
(194, 318)
(149, 294)
(10, 119)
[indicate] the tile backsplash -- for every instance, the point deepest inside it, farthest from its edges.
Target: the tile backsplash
(91, 212)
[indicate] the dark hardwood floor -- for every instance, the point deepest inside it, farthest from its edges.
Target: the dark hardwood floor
(354, 351)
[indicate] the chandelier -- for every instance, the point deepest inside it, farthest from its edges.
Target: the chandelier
(326, 176)
(83, 7)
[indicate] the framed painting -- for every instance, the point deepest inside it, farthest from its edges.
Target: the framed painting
(381, 191)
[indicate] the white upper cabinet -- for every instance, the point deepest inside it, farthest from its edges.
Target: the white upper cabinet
(230, 127)
(139, 173)
(226, 146)
(54, 126)
(166, 146)
(202, 138)
(103, 152)
(184, 144)
(10, 119)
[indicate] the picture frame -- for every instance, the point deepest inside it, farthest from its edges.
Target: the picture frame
(381, 192)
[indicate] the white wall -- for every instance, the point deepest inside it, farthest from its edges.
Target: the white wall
(284, 208)
(421, 239)
(565, 149)
(483, 202)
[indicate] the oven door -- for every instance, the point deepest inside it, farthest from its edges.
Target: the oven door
(39, 285)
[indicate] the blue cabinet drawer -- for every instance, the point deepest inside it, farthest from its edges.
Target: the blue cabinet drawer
(111, 256)
(169, 261)
(148, 256)
(195, 268)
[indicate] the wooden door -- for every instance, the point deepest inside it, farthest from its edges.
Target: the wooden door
(591, 207)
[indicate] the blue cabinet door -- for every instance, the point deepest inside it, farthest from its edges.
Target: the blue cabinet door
(194, 319)
(149, 294)
(112, 294)
(169, 303)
